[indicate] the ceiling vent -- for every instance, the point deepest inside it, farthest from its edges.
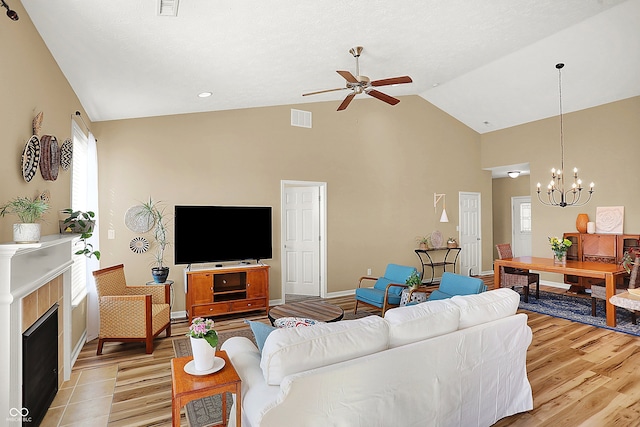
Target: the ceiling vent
(168, 7)
(301, 118)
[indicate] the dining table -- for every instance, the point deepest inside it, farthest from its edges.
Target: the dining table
(598, 270)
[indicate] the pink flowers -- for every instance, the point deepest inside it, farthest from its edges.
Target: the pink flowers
(203, 328)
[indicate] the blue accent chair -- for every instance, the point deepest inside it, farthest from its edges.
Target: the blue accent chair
(387, 290)
(457, 284)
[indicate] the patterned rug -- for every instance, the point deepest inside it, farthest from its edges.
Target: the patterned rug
(578, 309)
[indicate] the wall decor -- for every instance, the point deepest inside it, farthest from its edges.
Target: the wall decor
(139, 245)
(136, 220)
(609, 219)
(49, 157)
(66, 154)
(30, 158)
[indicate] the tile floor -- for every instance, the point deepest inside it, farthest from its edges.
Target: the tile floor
(83, 400)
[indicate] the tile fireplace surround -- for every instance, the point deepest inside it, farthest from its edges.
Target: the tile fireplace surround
(32, 278)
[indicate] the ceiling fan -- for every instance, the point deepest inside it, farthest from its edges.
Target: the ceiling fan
(359, 84)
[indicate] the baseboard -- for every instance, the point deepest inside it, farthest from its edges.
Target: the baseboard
(179, 315)
(78, 348)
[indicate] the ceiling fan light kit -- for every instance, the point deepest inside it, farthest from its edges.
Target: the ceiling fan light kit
(362, 84)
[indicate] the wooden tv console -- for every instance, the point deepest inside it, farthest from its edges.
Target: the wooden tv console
(226, 290)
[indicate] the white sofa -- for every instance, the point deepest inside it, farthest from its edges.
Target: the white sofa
(454, 362)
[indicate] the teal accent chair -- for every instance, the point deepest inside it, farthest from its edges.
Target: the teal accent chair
(456, 284)
(387, 290)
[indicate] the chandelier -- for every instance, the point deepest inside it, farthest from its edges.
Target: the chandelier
(556, 193)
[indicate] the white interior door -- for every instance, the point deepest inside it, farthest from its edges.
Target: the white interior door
(470, 238)
(301, 240)
(521, 225)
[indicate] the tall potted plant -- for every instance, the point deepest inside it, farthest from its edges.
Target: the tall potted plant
(154, 212)
(29, 212)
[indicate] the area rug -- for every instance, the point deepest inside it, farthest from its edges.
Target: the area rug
(578, 309)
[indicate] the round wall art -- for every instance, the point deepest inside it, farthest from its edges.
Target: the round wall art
(136, 220)
(30, 158)
(139, 245)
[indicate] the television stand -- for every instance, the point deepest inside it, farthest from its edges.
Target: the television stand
(226, 290)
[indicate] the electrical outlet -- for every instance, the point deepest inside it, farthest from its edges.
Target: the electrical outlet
(111, 234)
(368, 272)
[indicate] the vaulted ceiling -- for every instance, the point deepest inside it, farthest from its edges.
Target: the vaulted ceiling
(490, 64)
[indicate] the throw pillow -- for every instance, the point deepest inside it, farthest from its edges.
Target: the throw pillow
(294, 322)
(260, 332)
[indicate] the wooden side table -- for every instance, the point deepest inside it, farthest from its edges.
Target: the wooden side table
(186, 387)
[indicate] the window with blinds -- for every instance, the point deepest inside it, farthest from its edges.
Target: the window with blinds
(79, 178)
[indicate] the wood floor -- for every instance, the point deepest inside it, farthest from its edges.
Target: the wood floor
(580, 375)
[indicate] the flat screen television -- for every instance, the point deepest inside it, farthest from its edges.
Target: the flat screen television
(222, 233)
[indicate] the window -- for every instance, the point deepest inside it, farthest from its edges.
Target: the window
(79, 178)
(525, 218)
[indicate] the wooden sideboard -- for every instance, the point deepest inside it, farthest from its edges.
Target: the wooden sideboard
(227, 290)
(606, 248)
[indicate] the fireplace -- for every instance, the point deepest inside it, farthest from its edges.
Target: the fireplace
(40, 366)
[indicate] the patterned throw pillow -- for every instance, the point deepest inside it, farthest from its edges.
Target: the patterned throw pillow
(294, 322)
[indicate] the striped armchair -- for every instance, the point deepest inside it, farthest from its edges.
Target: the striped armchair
(130, 313)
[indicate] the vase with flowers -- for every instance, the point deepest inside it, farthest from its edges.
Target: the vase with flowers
(559, 248)
(204, 340)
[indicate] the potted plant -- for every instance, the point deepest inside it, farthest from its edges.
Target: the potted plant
(452, 242)
(29, 212)
(414, 280)
(154, 212)
(204, 340)
(83, 223)
(560, 248)
(423, 242)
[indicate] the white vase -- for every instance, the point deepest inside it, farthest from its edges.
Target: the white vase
(203, 354)
(26, 233)
(591, 227)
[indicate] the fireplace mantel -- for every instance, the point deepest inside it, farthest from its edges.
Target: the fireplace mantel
(23, 269)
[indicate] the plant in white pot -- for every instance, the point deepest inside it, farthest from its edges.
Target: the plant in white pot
(204, 340)
(29, 212)
(154, 213)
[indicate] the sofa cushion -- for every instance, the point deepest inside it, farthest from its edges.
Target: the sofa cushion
(376, 297)
(397, 274)
(487, 306)
(421, 321)
(260, 332)
(292, 350)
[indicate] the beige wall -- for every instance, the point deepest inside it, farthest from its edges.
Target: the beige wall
(381, 165)
(503, 190)
(601, 141)
(31, 83)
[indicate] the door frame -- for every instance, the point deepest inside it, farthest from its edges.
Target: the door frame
(322, 253)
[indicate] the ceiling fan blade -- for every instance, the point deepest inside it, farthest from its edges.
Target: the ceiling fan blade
(383, 97)
(346, 101)
(324, 91)
(348, 76)
(392, 81)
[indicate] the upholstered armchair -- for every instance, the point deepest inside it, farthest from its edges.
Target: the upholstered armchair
(514, 277)
(453, 284)
(387, 290)
(130, 313)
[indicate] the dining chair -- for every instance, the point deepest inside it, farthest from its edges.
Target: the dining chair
(515, 277)
(599, 291)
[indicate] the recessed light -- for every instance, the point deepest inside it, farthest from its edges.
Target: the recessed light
(205, 94)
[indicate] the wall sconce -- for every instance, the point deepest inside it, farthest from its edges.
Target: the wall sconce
(10, 13)
(513, 174)
(436, 199)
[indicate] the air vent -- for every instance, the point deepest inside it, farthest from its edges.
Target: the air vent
(168, 7)
(301, 118)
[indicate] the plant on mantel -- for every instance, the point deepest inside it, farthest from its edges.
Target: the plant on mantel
(29, 213)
